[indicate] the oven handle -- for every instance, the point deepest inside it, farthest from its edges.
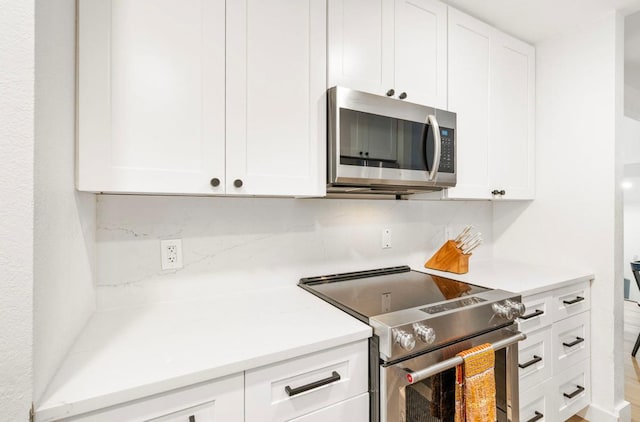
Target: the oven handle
(417, 376)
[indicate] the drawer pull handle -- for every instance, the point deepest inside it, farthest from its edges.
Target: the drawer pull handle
(533, 361)
(192, 418)
(575, 393)
(537, 312)
(578, 340)
(293, 391)
(537, 417)
(574, 301)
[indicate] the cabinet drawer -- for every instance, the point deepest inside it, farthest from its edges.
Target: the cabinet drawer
(572, 389)
(571, 340)
(276, 392)
(535, 404)
(221, 400)
(535, 359)
(352, 410)
(538, 313)
(571, 300)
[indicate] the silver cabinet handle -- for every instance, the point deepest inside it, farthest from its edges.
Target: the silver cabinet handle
(431, 119)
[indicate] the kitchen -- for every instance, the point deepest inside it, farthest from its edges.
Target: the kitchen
(101, 252)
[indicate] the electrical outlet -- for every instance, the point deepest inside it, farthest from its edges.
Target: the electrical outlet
(171, 254)
(386, 238)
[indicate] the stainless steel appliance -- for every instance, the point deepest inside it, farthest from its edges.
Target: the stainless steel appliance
(420, 322)
(384, 145)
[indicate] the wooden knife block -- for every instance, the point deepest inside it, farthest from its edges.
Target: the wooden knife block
(449, 258)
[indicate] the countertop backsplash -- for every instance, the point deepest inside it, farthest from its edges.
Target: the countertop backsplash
(236, 244)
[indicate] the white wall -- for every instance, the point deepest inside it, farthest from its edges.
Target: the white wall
(64, 291)
(576, 219)
(632, 101)
(245, 243)
(16, 209)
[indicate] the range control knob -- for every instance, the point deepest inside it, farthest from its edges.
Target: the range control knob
(406, 340)
(509, 309)
(425, 334)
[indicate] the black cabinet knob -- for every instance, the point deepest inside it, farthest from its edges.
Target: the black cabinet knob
(498, 192)
(390, 93)
(361, 153)
(366, 154)
(237, 183)
(403, 96)
(502, 192)
(215, 182)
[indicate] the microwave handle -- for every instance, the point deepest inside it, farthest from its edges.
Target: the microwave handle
(431, 119)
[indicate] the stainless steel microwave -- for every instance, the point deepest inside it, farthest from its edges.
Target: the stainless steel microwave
(383, 145)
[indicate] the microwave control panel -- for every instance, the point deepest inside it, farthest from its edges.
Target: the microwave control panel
(448, 151)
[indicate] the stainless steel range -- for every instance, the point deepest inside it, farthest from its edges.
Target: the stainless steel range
(420, 322)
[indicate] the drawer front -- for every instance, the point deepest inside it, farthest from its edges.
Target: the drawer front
(538, 313)
(571, 300)
(571, 340)
(535, 359)
(352, 410)
(221, 400)
(535, 404)
(275, 392)
(572, 389)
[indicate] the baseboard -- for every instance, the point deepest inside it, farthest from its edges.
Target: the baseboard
(622, 413)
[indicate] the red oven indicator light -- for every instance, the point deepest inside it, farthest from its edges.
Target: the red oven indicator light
(410, 378)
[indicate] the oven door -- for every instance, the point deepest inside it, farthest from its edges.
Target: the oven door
(431, 397)
(379, 141)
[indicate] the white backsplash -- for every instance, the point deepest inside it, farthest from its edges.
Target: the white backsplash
(235, 244)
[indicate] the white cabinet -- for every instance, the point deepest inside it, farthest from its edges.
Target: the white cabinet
(276, 101)
(202, 97)
(492, 90)
(554, 360)
(390, 47)
(221, 400)
(313, 387)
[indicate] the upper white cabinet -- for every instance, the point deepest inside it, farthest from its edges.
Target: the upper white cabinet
(202, 97)
(390, 47)
(492, 90)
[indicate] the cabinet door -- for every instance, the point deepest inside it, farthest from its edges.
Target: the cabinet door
(469, 83)
(352, 410)
(151, 87)
(360, 43)
(513, 118)
(276, 97)
(421, 51)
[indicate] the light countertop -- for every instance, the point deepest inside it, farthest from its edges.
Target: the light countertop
(127, 354)
(517, 277)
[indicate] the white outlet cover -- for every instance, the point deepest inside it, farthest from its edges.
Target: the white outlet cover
(171, 254)
(386, 238)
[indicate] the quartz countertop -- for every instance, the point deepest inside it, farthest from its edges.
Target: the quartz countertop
(131, 353)
(518, 277)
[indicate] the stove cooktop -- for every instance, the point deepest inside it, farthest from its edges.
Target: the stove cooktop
(411, 311)
(390, 290)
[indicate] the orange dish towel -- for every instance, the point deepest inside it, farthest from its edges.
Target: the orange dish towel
(476, 385)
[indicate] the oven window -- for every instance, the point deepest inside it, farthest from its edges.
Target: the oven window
(432, 400)
(376, 141)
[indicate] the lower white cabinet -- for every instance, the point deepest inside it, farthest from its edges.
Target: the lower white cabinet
(554, 360)
(302, 386)
(330, 385)
(221, 400)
